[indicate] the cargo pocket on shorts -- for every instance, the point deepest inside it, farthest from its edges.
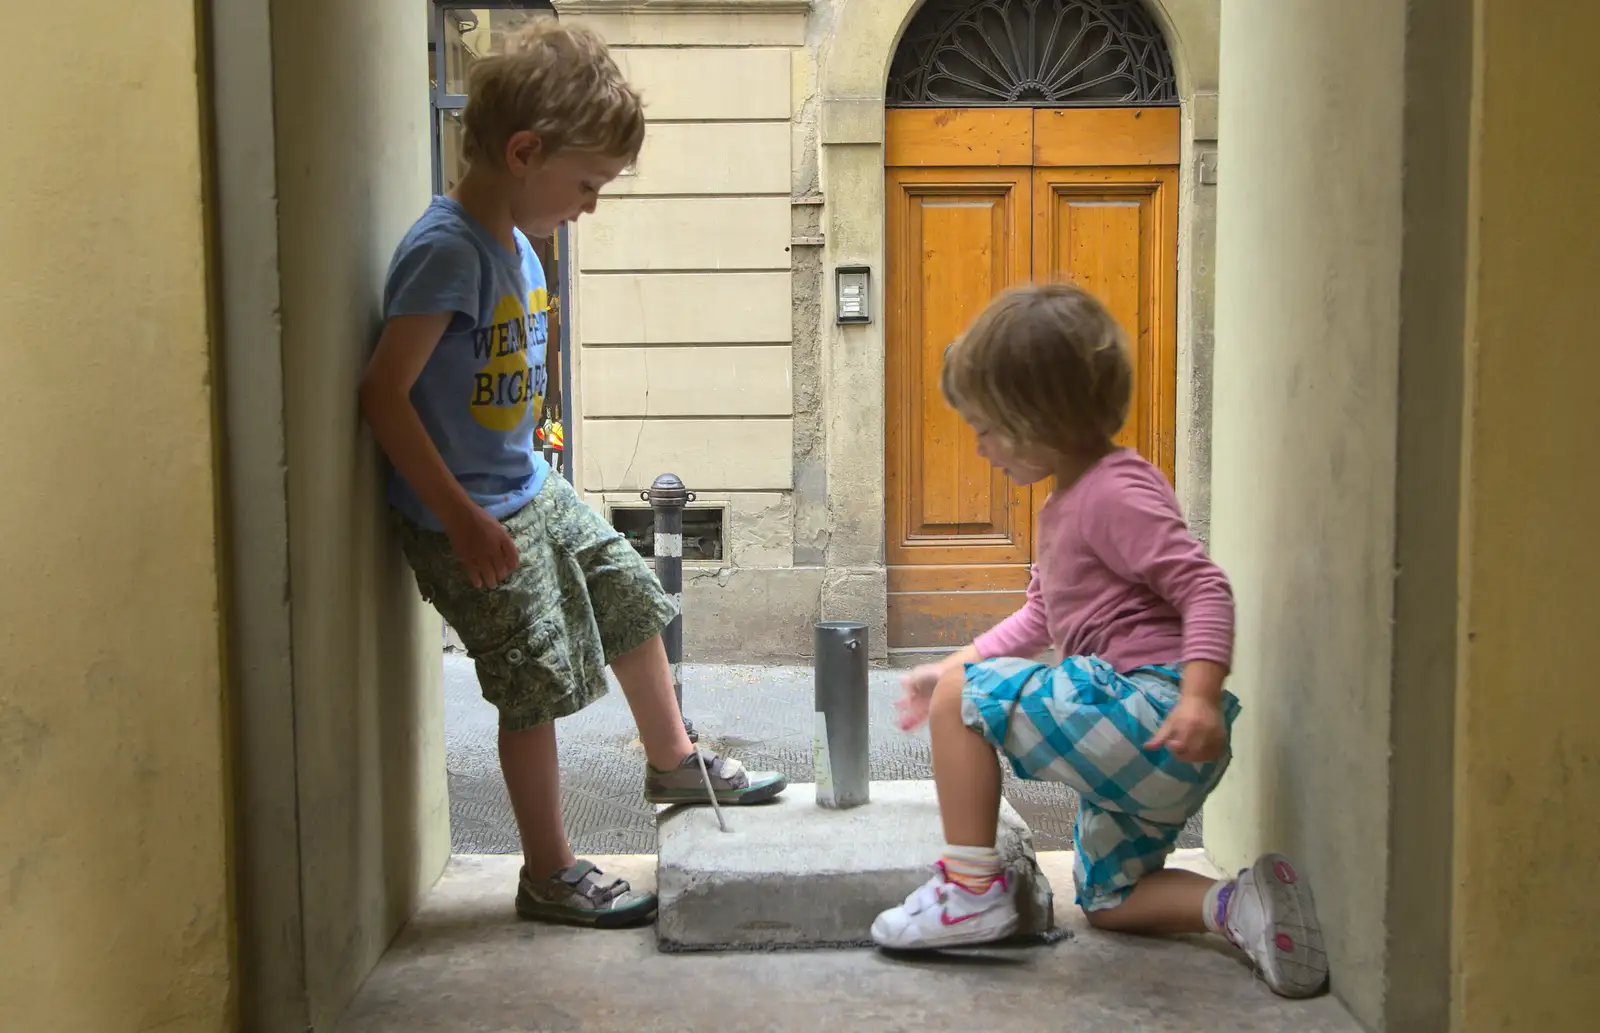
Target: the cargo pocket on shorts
(426, 588)
(528, 676)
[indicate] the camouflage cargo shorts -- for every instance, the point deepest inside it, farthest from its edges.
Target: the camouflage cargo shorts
(580, 596)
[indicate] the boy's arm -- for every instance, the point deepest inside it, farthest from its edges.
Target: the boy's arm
(1022, 634)
(403, 349)
(1138, 532)
(1025, 633)
(1202, 679)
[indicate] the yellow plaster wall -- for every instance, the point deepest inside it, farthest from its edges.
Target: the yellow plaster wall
(1526, 947)
(351, 100)
(114, 875)
(1309, 250)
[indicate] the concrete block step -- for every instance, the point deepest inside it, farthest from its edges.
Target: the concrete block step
(790, 874)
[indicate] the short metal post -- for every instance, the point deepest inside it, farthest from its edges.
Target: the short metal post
(668, 497)
(841, 744)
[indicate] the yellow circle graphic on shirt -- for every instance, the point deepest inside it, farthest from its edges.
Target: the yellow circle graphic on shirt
(505, 388)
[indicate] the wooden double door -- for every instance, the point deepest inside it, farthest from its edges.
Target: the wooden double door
(978, 200)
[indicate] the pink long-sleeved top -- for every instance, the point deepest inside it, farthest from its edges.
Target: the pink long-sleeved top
(1120, 577)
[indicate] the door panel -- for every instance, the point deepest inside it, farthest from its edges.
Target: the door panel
(1114, 231)
(1105, 136)
(957, 236)
(965, 220)
(946, 137)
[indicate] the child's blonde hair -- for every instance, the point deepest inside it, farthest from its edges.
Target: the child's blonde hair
(559, 82)
(1043, 366)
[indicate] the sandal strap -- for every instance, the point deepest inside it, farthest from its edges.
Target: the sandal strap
(727, 769)
(583, 879)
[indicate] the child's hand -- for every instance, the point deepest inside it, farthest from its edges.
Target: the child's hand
(1193, 731)
(914, 705)
(483, 545)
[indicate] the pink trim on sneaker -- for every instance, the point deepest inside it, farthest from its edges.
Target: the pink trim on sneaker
(944, 873)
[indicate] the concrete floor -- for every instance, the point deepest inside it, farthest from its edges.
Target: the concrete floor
(466, 965)
(762, 715)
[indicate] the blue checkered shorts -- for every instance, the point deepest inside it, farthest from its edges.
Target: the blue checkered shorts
(1084, 724)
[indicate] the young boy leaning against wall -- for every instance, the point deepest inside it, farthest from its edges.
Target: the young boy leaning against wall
(543, 592)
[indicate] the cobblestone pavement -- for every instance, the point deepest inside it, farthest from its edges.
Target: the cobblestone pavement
(761, 715)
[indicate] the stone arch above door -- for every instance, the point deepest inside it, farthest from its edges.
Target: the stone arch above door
(855, 58)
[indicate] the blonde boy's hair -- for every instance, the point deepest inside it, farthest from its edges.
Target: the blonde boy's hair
(557, 81)
(1043, 366)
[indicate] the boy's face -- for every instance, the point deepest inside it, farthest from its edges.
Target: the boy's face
(555, 188)
(1023, 466)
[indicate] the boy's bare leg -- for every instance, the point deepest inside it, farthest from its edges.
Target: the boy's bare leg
(966, 770)
(968, 900)
(646, 680)
(1162, 903)
(673, 777)
(1268, 912)
(533, 781)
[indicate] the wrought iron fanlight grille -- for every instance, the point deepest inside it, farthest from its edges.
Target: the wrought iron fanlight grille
(1032, 54)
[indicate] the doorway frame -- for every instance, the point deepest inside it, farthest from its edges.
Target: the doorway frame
(854, 59)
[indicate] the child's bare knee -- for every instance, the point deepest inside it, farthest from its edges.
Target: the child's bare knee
(947, 694)
(1114, 916)
(1104, 918)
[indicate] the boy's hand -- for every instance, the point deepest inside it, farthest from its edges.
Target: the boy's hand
(483, 545)
(918, 683)
(1193, 731)
(917, 699)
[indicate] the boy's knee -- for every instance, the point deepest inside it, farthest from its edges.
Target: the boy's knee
(1110, 915)
(947, 694)
(1104, 918)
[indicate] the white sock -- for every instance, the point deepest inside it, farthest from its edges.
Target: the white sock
(973, 868)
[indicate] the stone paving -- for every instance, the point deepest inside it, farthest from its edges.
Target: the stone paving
(762, 715)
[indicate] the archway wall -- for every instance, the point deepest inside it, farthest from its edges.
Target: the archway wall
(858, 39)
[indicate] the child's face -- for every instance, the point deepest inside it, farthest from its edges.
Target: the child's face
(556, 188)
(1024, 466)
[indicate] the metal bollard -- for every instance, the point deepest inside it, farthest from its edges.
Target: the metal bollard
(841, 744)
(667, 497)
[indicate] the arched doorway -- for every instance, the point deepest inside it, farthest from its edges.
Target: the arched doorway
(1024, 139)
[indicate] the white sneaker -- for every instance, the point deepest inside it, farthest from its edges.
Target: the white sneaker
(942, 913)
(1271, 916)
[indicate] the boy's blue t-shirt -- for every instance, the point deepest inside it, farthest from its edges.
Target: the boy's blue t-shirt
(482, 391)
